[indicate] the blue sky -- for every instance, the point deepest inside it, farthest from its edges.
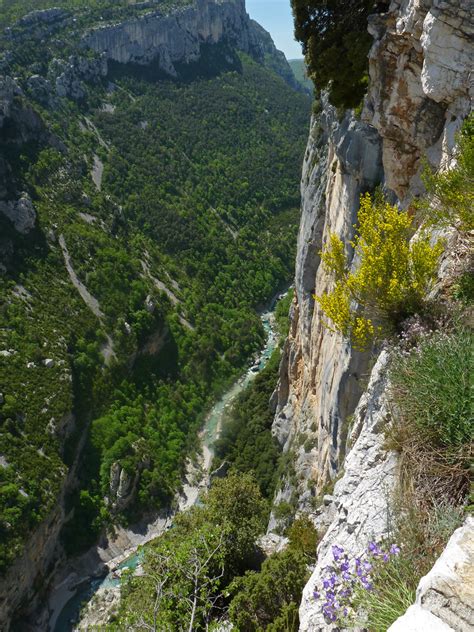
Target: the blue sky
(276, 17)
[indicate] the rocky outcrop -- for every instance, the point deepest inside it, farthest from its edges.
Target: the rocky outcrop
(421, 85)
(445, 597)
(420, 91)
(70, 77)
(21, 213)
(360, 500)
(19, 124)
(321, 377)
(177, 38)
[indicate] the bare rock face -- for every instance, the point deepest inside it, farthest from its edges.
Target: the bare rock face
(170, 38)
(21, 213)
(18, 125)
(445, 597)
(420, 91)
(177, 38)
(320, 375)
(361, 496)
(420, 84)
(122, 487)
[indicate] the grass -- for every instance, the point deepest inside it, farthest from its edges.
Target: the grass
(431, 389)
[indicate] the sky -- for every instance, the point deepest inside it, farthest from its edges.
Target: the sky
(275, 16)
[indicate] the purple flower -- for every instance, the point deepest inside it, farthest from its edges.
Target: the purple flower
(374, 549)
(346, 576)
(386, 557)
(326, 583)
(344, 566)
(394, 549)
(367, 566)
(337, 552)
(316, 594)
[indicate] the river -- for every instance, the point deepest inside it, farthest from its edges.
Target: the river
(65, 608)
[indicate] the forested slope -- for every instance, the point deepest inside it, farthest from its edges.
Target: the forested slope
(144, 218)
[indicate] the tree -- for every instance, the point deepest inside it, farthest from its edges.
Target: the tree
(261, 599)
(235, 505)
(180, 587)
(336, 43)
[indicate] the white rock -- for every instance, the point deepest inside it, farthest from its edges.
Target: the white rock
(361, 496)
(445, 596)
(48, 363)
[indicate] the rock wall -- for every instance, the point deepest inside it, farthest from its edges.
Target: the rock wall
(420, 91)
(177, 38)
(445, 596)
(321, 377)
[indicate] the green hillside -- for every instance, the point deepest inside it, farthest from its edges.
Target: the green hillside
(175, 205)
(298, 67)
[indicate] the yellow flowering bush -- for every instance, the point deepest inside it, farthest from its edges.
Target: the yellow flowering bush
(391, 278)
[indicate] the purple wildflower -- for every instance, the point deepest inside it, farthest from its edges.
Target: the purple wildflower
(345, 565)
(394, 549)
(374, 549)
(316, 594)
(337, 552)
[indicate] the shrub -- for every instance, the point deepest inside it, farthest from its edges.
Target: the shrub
(392, 277)
(450, 198)
(270, 597)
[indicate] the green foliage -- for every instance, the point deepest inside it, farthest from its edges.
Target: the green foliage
(303, 537)
(194, 226)
(392, 277)
(269, 599)
(236, 506)
(246, 441)
(431, 388)
(450, 200)
(394, 591)
(282, 315)
(336, 44)
(85, 10)
(198, 557)
(298, 67)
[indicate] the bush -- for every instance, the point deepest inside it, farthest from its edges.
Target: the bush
(271, 596)
(450, 198)
(392, 277)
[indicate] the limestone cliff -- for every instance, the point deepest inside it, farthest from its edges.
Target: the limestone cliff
(419, 93)
(177, 38)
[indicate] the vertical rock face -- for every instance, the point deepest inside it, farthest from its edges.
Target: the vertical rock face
(177, 38)
(420, 91)
(359, 505)
(421, 85)
(320, 381)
